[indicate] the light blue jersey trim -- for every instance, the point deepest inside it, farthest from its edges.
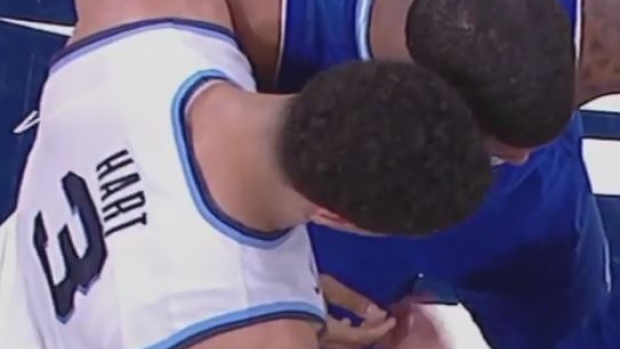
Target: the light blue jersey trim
(362, 28)
(199, 193)
(200, 331)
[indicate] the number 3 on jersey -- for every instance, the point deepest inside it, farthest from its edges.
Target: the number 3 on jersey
(80, 271)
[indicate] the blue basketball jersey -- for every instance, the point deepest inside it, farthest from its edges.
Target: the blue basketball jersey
(319, 34)
(322, 33)
(600, 331)
(530, 265)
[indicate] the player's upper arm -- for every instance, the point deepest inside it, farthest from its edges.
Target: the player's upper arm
(599, 63)
(276, 334)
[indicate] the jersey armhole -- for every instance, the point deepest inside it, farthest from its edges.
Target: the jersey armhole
(203, 201)
(201, 331)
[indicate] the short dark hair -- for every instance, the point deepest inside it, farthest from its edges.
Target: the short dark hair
(388, 146)
(512, 61)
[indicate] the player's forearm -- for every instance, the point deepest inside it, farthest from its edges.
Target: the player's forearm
(599, 64)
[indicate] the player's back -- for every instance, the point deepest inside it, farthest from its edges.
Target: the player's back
(119, 243)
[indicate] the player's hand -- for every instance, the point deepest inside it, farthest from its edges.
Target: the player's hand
(416, 328)
(341, 334)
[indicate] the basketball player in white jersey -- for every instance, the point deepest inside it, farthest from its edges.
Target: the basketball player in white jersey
(163, 202)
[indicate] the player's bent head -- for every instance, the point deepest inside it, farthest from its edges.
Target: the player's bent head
(389, 147)
(512, 60)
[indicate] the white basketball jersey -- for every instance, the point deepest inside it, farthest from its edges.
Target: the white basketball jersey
(119, 243)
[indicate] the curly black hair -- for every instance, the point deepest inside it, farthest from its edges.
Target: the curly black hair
(388, 146)
(512, 61)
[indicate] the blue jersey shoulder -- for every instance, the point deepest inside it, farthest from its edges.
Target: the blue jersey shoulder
(319, 34)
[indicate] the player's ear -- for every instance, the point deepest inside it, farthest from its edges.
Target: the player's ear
(326, 217)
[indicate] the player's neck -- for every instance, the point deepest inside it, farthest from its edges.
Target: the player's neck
(387, 30)
(234, 145)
